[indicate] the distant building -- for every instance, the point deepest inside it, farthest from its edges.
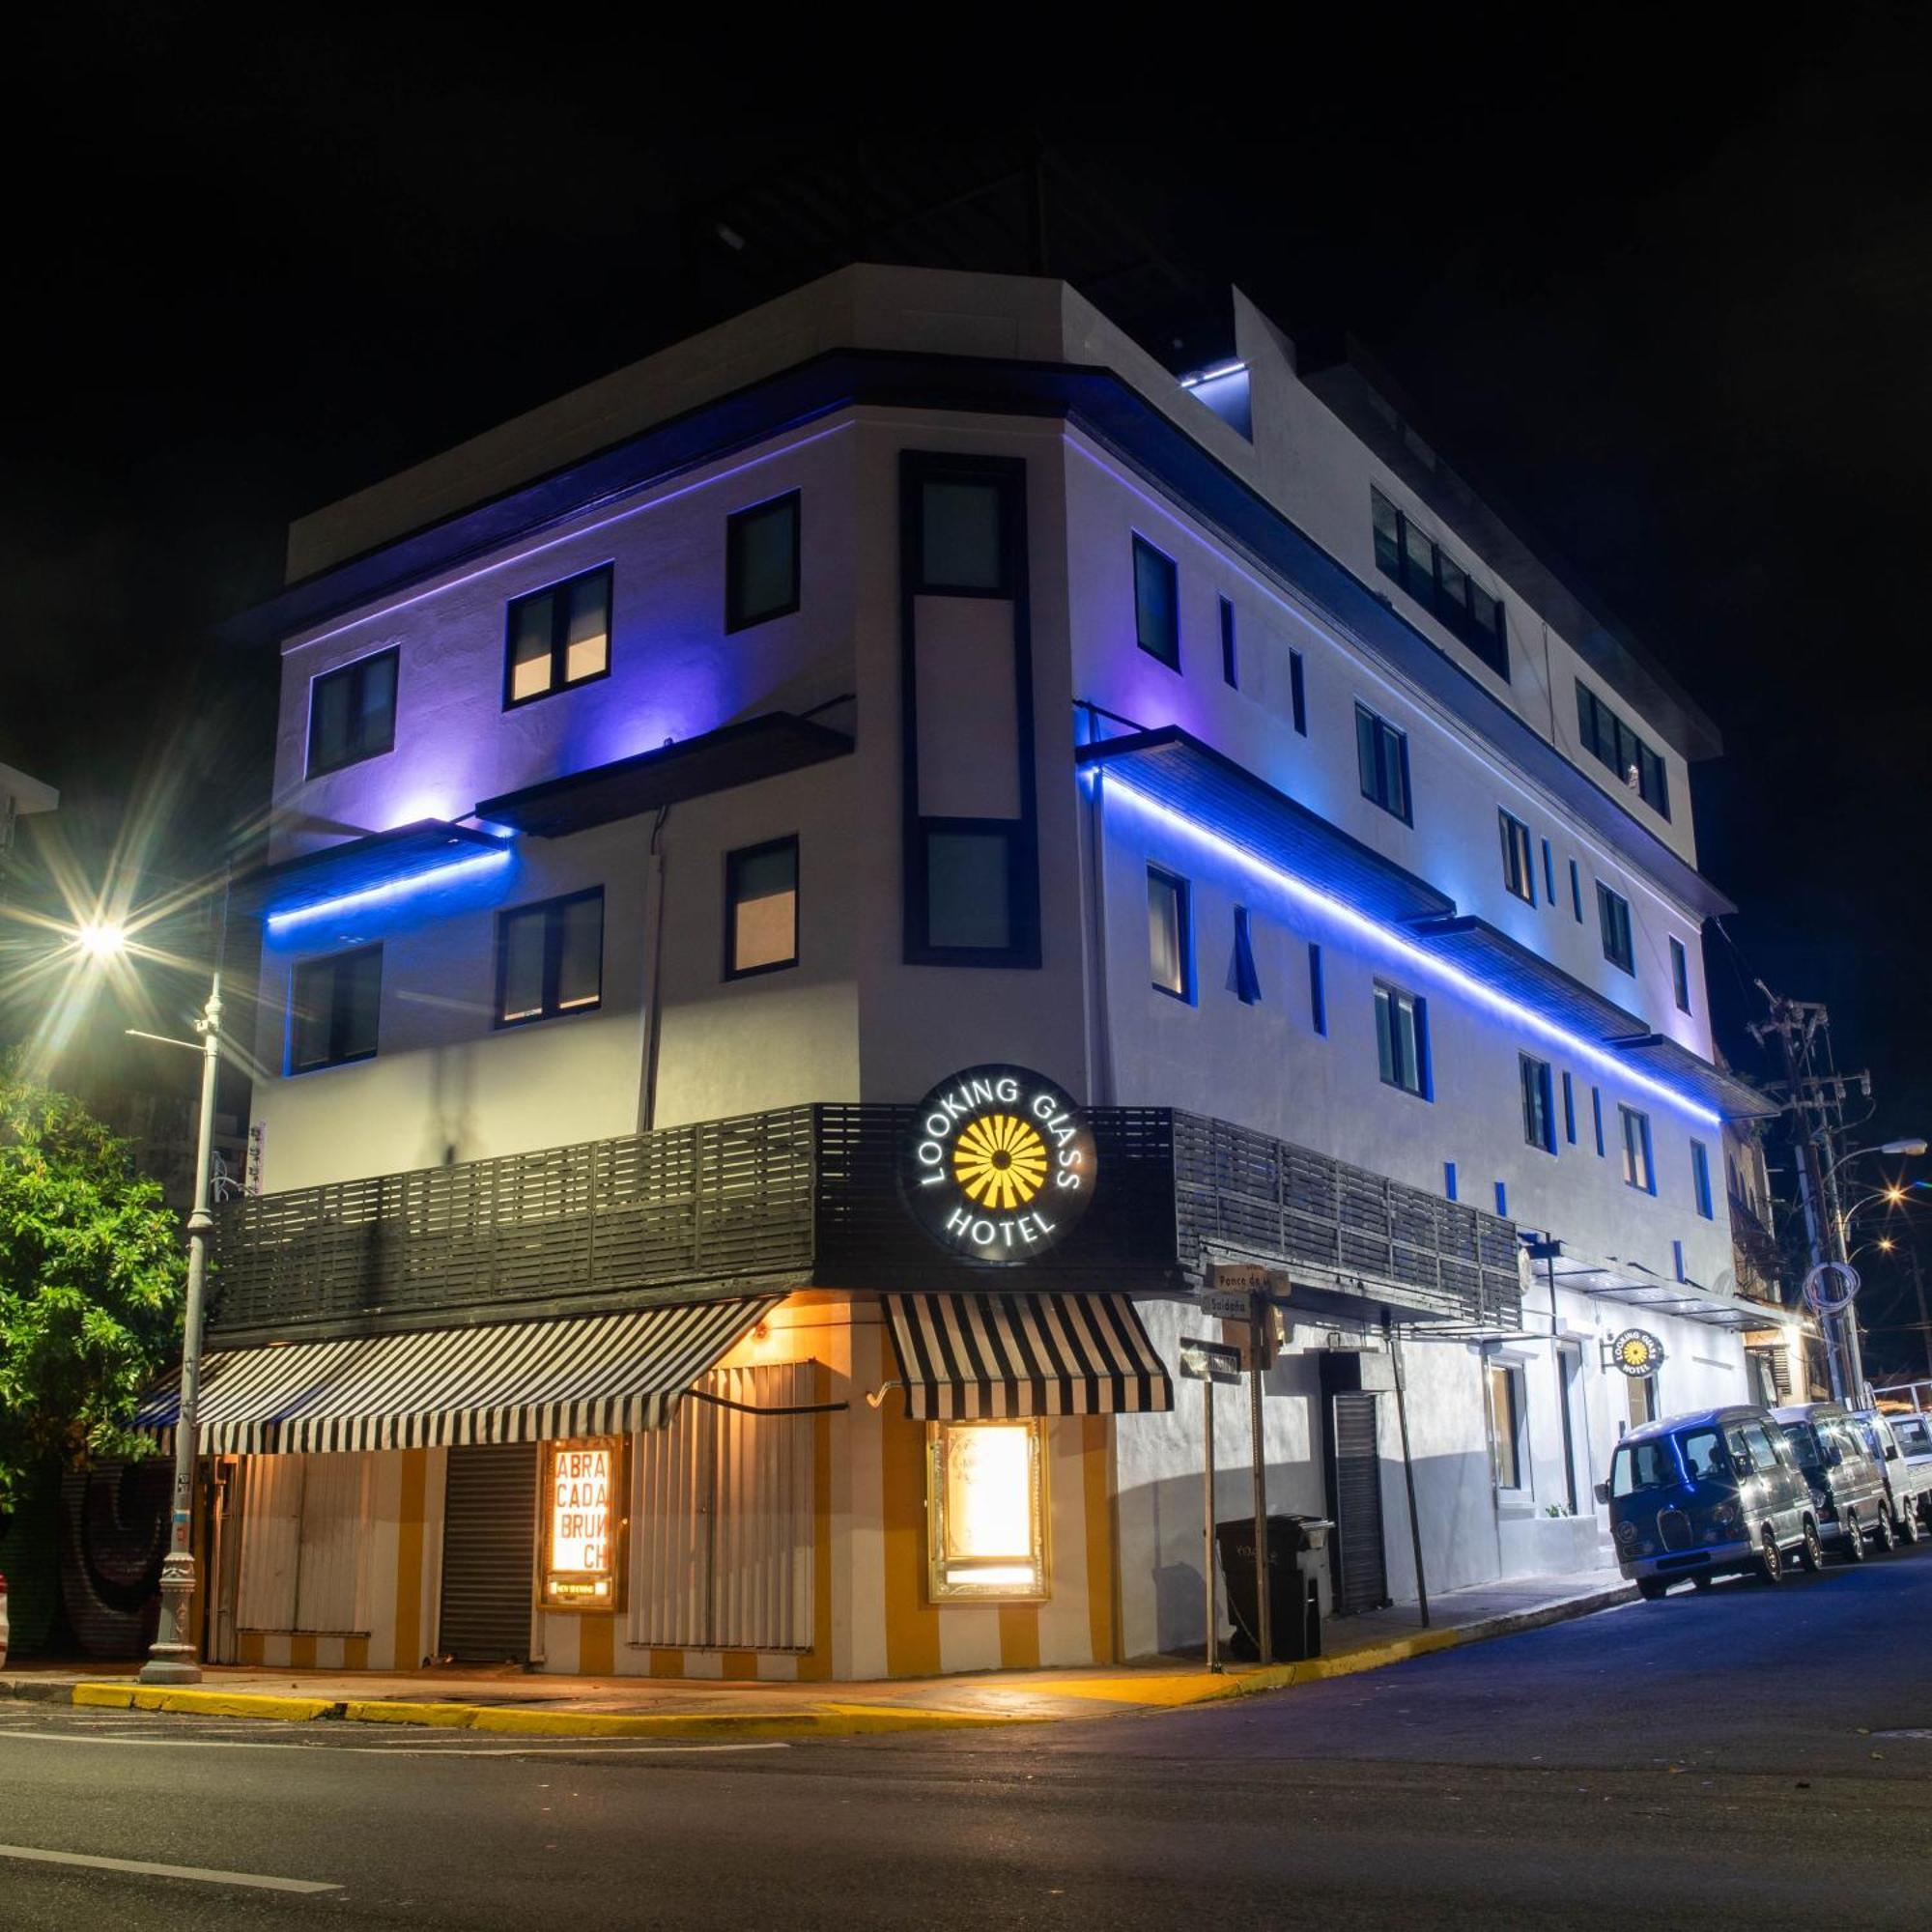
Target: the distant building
(1268, 870)
(20, 797)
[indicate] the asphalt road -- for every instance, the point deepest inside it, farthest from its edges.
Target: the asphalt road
(1733, 1759)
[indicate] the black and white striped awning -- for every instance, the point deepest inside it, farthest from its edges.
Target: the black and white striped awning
(521, 1381)
(966, 1357)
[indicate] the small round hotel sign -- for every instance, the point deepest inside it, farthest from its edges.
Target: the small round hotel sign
(998, 1164)
(1637, 1351)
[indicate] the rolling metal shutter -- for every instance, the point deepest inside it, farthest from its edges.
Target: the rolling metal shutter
(1361, 1573)
(488, 1554)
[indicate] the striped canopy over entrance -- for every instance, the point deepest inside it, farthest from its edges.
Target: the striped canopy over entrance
(520, 1382)
(970, 1357)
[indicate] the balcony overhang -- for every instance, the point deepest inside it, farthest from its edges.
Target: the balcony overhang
(1696, 1077)
(733, 755)
(1175, 772)
(364, 870)
(1635, 1288)
(1486, 953)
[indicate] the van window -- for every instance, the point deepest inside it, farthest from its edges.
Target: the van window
(1703, 1453)
(1804, 1440)
(1759, 1445)
(1914, 1434)
(1643, 1466)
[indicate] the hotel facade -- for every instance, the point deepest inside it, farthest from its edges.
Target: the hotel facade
(834, 892)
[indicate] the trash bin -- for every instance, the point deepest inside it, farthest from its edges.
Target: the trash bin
(1295, 1603)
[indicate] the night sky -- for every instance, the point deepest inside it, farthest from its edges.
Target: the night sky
(1674, 295)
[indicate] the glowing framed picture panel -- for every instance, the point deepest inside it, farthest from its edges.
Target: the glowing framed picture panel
(985, 1512)
(584, 1523)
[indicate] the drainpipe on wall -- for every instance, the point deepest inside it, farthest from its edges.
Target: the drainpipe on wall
(647, 1096)
(1100, 1048)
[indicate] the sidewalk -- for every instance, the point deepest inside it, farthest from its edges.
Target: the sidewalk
(520, 1702)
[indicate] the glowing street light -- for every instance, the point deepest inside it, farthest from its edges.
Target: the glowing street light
(100, 940)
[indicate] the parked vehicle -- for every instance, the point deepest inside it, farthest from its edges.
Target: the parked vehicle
(1847, 1489)
(1913, 1437)
(1908, 1485)
(1706, 1495)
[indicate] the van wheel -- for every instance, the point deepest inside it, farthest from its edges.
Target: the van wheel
(1855, 1538)
(1888, 1537)
(1651, 1588)
(1908, 1526)
(1770, 1558)
(1811, 1553)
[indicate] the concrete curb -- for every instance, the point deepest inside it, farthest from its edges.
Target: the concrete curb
(827, 1719)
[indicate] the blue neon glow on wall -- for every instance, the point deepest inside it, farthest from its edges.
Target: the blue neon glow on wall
(1407, 949)
(390, 891)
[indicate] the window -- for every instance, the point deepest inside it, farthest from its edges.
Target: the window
(1680, 975)
(352, 713)
(1156, 604)
(1677, 1262)
(985, 1520)
(550, 958)
(1613, 916)
(1230, 669)
(1247, 981)
(1449, 1180)
(761, 908)
(1502, 1199)
(1539, 1109)
(1402, 1040)
(761, 562)
(1168, 940)
(1317, 993)
(558, 637)
(962, 538)
(1518, 868)
(1298, 693)
(1548, 874)
(1700, 1179)
(1640, 1398)
(1642, 1465)
(1507, 1434)
(1637, 1170)
(1382, 753)
(1613, 744)
(1440, 584)
(971, 891)
(1576, 892)
(1596, 1117)
(334, 1008)
(1568, 1109)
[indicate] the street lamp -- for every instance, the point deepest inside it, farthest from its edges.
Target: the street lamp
(1841, 1224)
(172, 1658)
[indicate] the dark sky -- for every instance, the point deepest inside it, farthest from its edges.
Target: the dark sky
(1671, 287)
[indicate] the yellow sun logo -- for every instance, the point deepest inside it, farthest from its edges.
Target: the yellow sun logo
(1000, 1161)
(1636, 1354)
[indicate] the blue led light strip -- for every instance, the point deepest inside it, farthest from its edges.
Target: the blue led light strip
(389, 888)
(1392, 941)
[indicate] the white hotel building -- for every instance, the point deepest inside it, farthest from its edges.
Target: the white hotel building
(908, 677)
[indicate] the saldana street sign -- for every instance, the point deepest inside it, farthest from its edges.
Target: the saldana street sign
(998, 1164)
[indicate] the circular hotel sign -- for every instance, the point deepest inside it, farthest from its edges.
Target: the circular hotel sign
(1637, 1351)
(998, 1165)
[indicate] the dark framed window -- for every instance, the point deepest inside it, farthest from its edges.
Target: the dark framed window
(1170, 936)
(1449, 1180)
(550, 958)
(1231, 670)
(1382, 753)
(1568, 1109)
(1577, 891)
(1539, 1102)
(352, 713)
(1638, 1172)
(1247, 981)
(1402, 1040)
(1614, 745)
(1441, 585)
(1318, 992)
(1700, 1179)
(1156, 604)
(1298, 694)
(335, 1009)
(761, 908)
(1596, 1117)
(761, 562)
(1548, 873)
(1613, 916)
(973, 900)
(1519, 865)
(1680, 975)
(963, 544)
(558, 637)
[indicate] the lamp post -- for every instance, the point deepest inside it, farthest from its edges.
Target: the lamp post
(172, 1658)
(1838, 1223)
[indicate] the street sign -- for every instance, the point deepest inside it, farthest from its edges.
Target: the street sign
(1241, 1278)
(1225, 1307)
(1209, 1361)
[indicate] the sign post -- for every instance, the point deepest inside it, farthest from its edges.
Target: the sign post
(1265, 1634)
(1208, 1362)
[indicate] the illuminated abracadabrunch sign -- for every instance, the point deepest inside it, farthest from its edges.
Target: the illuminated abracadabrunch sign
(1637, 1351)
(999, 1165)
(583, 1516)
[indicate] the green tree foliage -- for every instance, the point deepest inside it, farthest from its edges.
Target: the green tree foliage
(91, 1282)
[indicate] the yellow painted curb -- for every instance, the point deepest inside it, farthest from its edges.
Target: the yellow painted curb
(203, 1703)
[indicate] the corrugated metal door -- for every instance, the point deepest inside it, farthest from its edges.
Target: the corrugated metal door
(1362, 1572)
(488, 1553)
(303, 1527)
(722, 1519)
